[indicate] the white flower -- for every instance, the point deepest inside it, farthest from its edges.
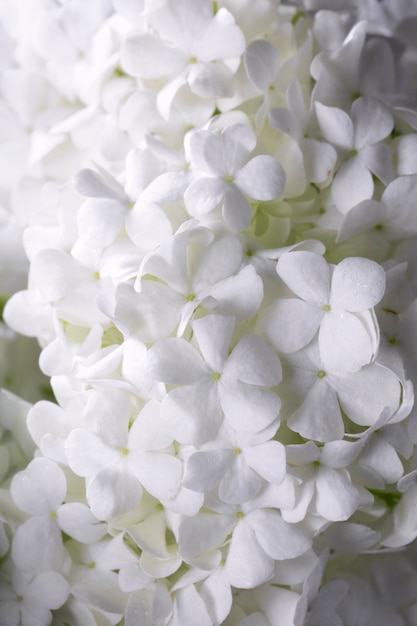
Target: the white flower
(29, 599)
(191, 46)
(39, 490)
(337, 303)
(225, 179)
(118, 459)
(234, 386)
(358, 139)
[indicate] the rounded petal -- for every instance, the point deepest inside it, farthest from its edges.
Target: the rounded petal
(40, 488)
(188, 417)
(344, 343)
(247, 564)
(261, 63)
(248, 408)
(319, 159)
(371, 120)
(49, 589)
(319, 417)
(352, 184)
(335, 125)
(277, 538)
(77, 521)
(290, 324)
(222, 38)
(239, 482)
(237, 212)
(262, 178)
(112, 492)
(237, 141)
(211, 80)
(240, 295)
(176, 362)
(336, 498)
(160, 473)
(268, 460)
(252, 362)
(307, 275)
(37, 545)
(87, 453)
(148, 57)
(203, 195)
(147, 225)
(204, 469)
(363, 395)
(213, 334)
(357, 284)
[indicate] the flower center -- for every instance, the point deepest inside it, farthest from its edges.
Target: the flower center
(327, 308)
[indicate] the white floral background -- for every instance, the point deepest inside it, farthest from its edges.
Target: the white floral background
(208, 277)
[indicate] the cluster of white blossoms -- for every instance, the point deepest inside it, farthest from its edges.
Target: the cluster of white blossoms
(208, 223)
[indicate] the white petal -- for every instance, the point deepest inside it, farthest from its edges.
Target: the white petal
(379, 160)
(40, 488)
(145, 56)
(239, 295)
(261, 63)
(357, 284)
(247, 564)
(268, 460)
(204, 469)
(222, 38)
(290, 324)
(361, 217)
(279, 539)
(217, 594)
(213, 334)
(216, 262)
(160, 474)
(262, 178)
(319, 159)
(211, 80)
(176, 362)
(371, 120)
(91, 184)
(189, 607)
(239, 483)
(148, 431)
(344, 343)
(238, 141)
(203, 195)
(336, 498)
(87, 453)
(37, 545)
(188, 417)
(50, 589)
(252, 362)
(237, 213)
(202, 533)
(352, 184)
(77, 521)
(248, 408)
(335, 125)
(307, 275)
(319, 416)
(147, 225)
(112, 492)
(363, 395)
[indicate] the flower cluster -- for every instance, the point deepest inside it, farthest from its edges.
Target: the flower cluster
(214, 206)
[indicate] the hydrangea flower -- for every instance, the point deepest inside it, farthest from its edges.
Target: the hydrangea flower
(207, 216)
